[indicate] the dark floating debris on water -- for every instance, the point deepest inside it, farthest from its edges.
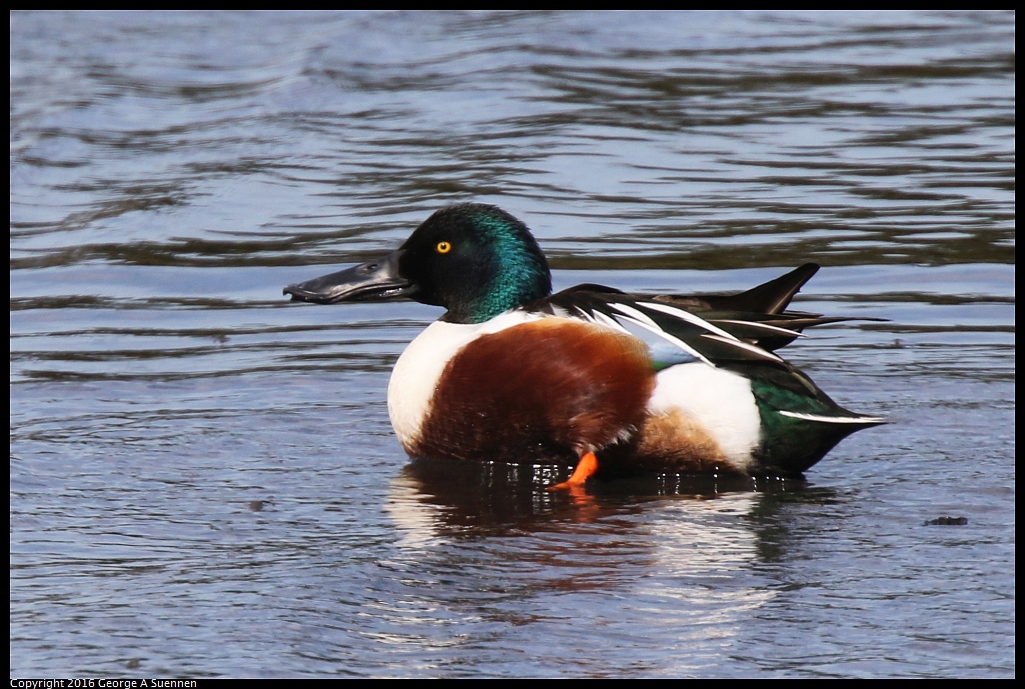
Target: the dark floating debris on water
(947, 521)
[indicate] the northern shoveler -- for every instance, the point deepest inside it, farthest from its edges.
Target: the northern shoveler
(592, 374)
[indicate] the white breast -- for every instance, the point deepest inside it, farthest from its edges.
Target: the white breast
(418, 371)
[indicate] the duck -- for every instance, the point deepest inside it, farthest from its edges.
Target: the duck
(605, 381)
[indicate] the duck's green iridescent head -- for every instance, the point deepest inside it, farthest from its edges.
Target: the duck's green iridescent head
(475, 260)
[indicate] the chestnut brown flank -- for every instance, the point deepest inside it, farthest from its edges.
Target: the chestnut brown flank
(551, 388)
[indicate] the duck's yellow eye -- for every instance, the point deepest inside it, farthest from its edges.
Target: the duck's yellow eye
(443, 247)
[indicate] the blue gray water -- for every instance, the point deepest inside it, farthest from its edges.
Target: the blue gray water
(203, 477)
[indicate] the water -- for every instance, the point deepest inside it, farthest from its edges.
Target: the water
(204, 480)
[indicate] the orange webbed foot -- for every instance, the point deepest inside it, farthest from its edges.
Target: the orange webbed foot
(586, 468)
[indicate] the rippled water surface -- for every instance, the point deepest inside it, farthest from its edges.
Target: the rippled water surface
(203, 477)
